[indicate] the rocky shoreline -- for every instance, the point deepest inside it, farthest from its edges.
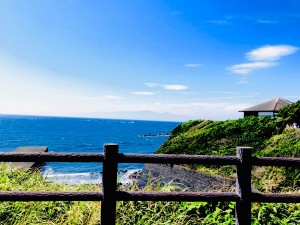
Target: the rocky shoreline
(182, 178)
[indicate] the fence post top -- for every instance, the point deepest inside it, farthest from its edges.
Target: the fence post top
(111, 144)
(111, 147)
(244, 147)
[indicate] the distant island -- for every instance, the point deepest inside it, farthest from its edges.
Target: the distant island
(154, 135)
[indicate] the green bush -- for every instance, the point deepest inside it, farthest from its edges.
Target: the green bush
(291, 112)
(221, 137)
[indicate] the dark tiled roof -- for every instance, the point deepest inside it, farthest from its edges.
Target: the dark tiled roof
(269, 106)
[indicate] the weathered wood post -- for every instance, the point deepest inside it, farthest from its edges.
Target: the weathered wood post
(243, 187)
(109, 181)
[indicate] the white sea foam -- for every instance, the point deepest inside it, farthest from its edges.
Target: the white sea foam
(126, 177)
(84, 178)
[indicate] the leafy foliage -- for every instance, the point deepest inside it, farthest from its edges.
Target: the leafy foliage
(291, 112)
(221, 137)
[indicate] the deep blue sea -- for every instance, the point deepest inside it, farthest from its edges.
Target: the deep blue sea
(82, 135)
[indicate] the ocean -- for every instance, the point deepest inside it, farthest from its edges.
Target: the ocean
(82, 135)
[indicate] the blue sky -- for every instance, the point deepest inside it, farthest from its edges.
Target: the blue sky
(147, 59)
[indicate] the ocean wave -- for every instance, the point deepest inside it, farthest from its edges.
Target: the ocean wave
(85, 178)
(126, 177)
(72, 178)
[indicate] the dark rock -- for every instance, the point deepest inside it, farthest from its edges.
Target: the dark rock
(183, 178)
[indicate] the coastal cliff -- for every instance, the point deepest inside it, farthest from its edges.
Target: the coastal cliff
(268, 137)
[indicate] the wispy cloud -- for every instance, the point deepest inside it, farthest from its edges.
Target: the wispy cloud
(143, 93)
(232, 97)
(110, 97)
(243, 79)
(227, 92)
(261, 58)
(115, 97)
(189, 93)
(246, 68)
(270, 52)
(267, 21)
(193, 65)
(152, 84)
(174, 87)
(219, 22)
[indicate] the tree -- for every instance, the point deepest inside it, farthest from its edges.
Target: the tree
(291, 113)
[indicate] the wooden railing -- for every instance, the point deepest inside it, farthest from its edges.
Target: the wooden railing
(243, 196)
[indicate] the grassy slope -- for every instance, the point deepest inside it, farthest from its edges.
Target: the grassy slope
(221, 137)
(266, 135)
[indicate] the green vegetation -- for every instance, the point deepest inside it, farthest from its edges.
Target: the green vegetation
(291, 113)
(128, 213)
(204, 137)
(221, 137)
(23, 213)
(268, 137)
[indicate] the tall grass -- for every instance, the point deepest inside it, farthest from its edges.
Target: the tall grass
(154, 213)
(56, 212)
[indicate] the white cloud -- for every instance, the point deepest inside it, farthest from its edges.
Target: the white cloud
(220, 22)
(175, 87)
(243, 80)
(232, 97)
(110, 97)
(115, 97)
(189, 93)
(227, 92)
(152, 84)
(246, 68)
(263, 57)
(143, 93)
(270, 52)
(193, 65)
(267, 21)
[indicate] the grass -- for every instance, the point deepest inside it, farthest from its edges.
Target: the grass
(144, 213)
(23, 213)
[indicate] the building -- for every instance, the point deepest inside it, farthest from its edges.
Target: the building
(269, 108)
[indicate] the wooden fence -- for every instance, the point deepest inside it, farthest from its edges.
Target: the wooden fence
(109, 196)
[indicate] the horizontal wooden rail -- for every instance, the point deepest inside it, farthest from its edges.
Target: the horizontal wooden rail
(177, 196)
(147, 158)
(111, 157)
(275, 198)
(178, 159)
(144, 196)
(120, 196)
(14, 196)
(275, 161)
(51, 157)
